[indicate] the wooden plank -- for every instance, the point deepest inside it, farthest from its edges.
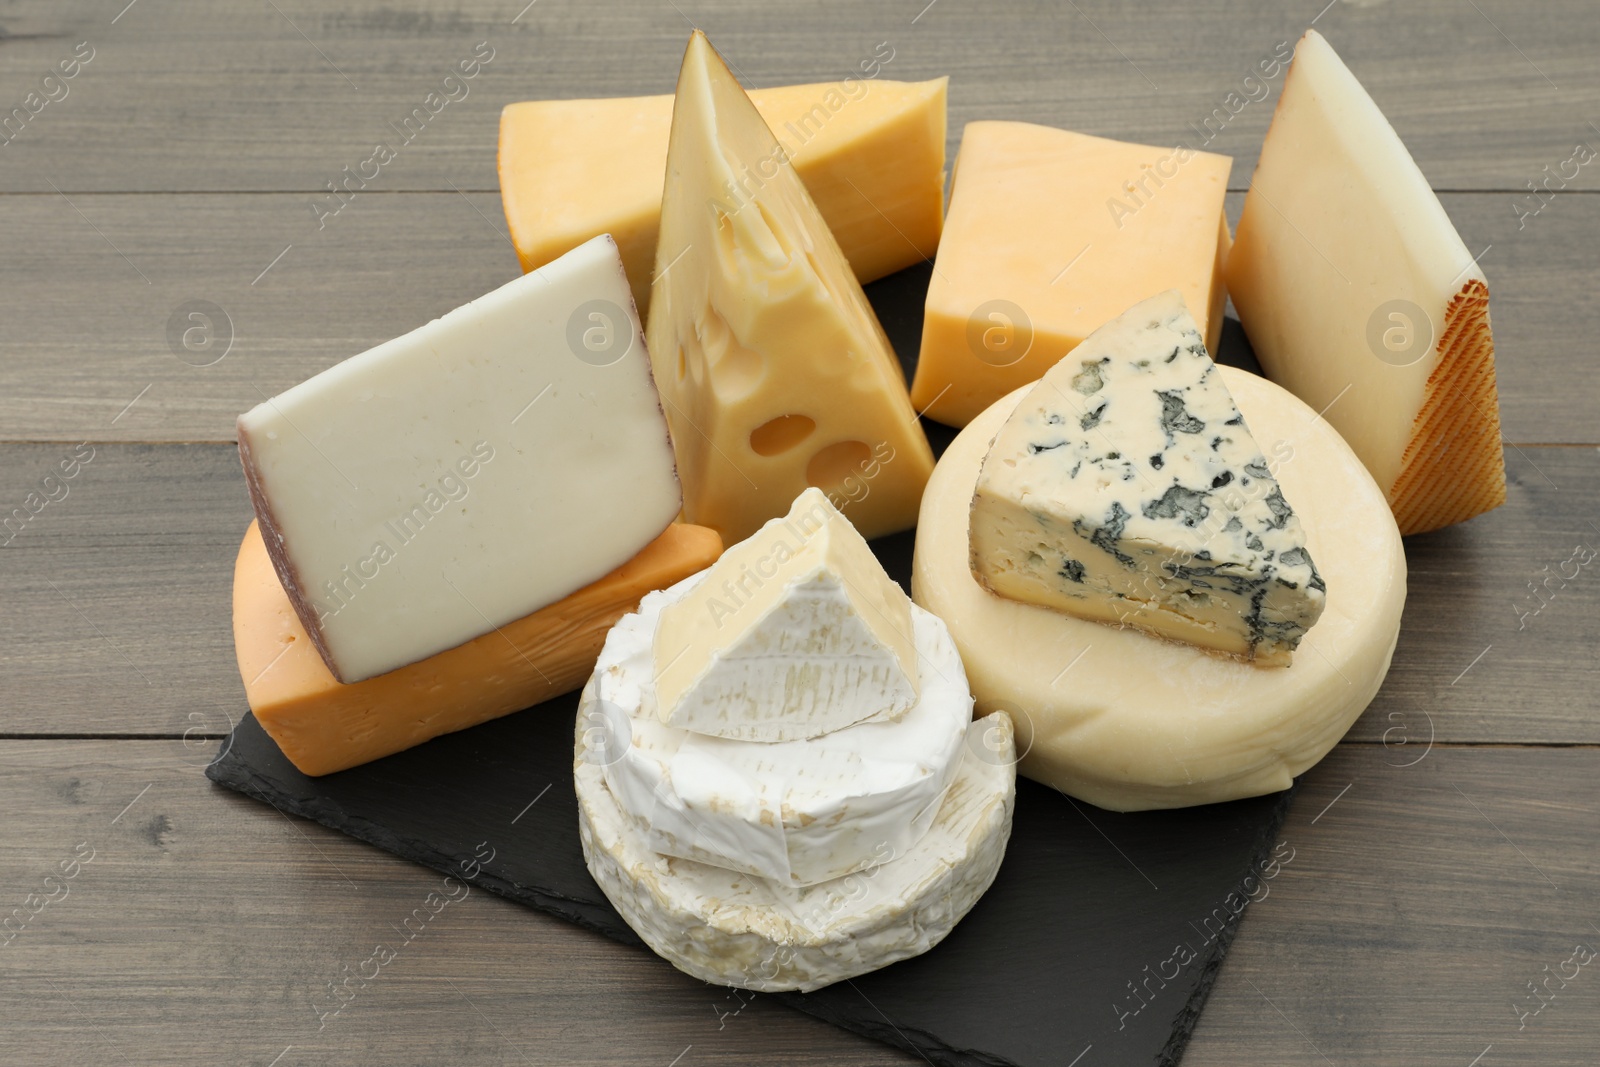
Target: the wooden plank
(208, 928)
(251, 96)
(1415, 914)
(390, 263)
(1399, 932)
(276, 301)
(118, 592)
(117, 600)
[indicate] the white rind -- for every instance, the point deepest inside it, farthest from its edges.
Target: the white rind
(1130, 722)
(734, 929)
(797, 812)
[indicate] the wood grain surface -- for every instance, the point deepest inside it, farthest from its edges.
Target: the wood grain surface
(1444, 862)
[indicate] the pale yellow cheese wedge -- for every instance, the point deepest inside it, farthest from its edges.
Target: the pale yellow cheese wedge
(1129, 721)
(772, 368)
(870, 151)
(1360, 298)
(324, 726)
(1050, 235)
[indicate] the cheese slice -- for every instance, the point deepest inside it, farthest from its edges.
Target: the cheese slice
(795, 812)
(467, 474)
(774, 370)
(796, 632)
(1129, 722)
(1360, 298)
(870, 152)
(730, 928)
(324, 726)
(1050, 235)
(1126, 487)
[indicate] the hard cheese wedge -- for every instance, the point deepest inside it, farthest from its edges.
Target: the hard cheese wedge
(324, 726)
(1360, 298)
(796, 632)
(1050, 234)
(775, 372)
(1126, 488)
(871, 153)
(469, 473)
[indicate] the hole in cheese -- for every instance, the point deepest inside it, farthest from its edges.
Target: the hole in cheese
(779, 435)
(830, 467)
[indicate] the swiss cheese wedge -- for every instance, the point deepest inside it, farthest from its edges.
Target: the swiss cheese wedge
(1050, 235)
(773, 370)
(324, 726)
(1360, 298)
(870, 152)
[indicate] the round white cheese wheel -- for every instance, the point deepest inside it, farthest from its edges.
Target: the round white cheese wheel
(736, 929)
(798, 812)
(1128, 721)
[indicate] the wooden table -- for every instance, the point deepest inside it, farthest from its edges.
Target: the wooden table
(1444, 854)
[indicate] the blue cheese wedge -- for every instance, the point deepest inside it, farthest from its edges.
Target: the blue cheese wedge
(1127, 489)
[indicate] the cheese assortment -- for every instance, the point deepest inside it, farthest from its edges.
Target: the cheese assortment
(1050, 234)
(418, 495)
(573, 169)
(803, 779)
(774, 370)
(1360, 298)
(1126, 487)
(1139, 577)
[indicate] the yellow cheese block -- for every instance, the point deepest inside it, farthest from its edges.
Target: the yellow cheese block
(773, 370)
(871, 153)
(324, 726)
(1050, 235)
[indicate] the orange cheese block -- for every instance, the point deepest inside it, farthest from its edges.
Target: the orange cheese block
(870, 152)
(324, 726)
(1050, 235)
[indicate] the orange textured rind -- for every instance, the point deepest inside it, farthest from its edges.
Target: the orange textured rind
(1454, 467)
(323, 726)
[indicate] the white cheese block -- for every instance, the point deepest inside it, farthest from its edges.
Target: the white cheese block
(1127, 488)
(1361, 299)
(1128, 721)
(735, 929)
(795, 632)
(466, 474)
(792, 812)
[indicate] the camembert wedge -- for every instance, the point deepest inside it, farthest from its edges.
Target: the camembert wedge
(796, 632)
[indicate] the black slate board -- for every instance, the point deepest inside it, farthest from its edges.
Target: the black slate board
(1102, 930)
